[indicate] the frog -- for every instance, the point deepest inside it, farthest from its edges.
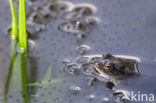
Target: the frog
(111, 69)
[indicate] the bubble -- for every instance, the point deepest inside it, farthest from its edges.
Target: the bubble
(20, 50)
(88, 68)
(81, 25)
(91, 81)
(95, 59)
(81, 35)
(49, 11)
(51, 7)
(66, 61)
(31, 44)
(75, 26)
(34, 28)
(82, 59)
(121, 95)
(92, 21)
(72, 69)
(36, 17)
(83, 49)
(91, 97)
(105, 100)
(68, 27)
(81, 10)
(65, 6)
(75, 90)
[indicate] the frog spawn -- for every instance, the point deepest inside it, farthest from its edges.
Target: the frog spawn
(40, 14)
(81, 10)
(79, 21)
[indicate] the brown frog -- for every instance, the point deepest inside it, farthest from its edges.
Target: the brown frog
(111, 69)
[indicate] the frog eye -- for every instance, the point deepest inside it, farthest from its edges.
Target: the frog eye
(108, 66)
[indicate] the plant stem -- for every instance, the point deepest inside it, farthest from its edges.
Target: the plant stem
(23, 46)
(9, 76)
(24, 76)
(14, 27)
(22, 26)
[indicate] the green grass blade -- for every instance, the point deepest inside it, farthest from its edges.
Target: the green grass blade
(22, 26)
(9, 76)
(23, 45)
(14, 27)
(47, 76)
(24, 75)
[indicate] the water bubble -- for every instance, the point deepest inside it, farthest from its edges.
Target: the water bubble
(82, 59)
(83, 49)
(65, 6)
(36, 17)
(47, 15)
(81, 35)
(88, 68)
(31, 44)
(72, 69)
(34, 28)
(92, 21)
(75, 90)
(91, 97)
(51, 7)
(121, 95)
(95, 59)
(66, 61)
(81, 25)
(81, 10)
(74, 26)
(91, 81)
(67, 27)
(105, 100)
(20, 50)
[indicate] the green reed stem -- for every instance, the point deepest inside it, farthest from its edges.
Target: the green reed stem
(22, 26)
(22, 55)
(9, 76)
(23, 46)
(14, 26)
(24, 76)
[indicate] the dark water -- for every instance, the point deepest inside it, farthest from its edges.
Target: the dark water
(125, 28)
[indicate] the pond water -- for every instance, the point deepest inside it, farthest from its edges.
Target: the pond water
(125, 27)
